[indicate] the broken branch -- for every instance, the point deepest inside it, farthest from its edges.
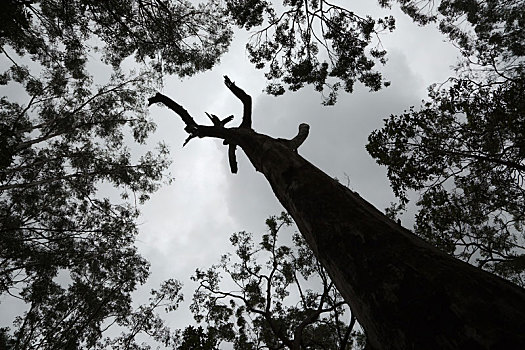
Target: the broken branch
(246, 101)
(218, 122)
(188, 139)
(232, 158)
(298, 140)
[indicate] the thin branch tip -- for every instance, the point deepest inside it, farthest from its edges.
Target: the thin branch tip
(189, 138)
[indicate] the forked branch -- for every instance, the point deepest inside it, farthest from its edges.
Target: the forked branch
(231, 136)
(218, 122)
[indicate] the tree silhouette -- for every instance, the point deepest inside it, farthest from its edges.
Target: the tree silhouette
(269, 302)
(405, 293)
(67, 251)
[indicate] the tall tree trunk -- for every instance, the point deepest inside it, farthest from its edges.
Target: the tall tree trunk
(405, 293)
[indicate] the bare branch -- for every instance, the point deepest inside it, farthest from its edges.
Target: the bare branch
(245, 99)
(218, 122)
(214, 119)
(298, 140)
(191, 136)
(348, 332)
(174, 106)
(232, 158)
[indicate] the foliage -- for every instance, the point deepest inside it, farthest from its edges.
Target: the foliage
(193, 338)
(489, 33)
(268, 305)
(171, 36)
(312, 42)
(464, 148)
(67, 247)
(145, 320)
(67, 251)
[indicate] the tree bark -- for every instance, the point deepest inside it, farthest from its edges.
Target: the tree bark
(405, 293)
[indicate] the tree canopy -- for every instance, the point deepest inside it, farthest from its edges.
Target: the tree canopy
(269, 296)
(463, 149)
(312, 42)
(67, 248)
(170, 36)
(489, 33)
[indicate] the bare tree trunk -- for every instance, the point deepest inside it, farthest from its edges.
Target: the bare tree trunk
(405, 293)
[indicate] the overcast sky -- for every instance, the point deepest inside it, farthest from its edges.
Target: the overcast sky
(187, 225)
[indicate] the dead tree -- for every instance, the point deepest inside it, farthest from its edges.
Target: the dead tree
(405, 293)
